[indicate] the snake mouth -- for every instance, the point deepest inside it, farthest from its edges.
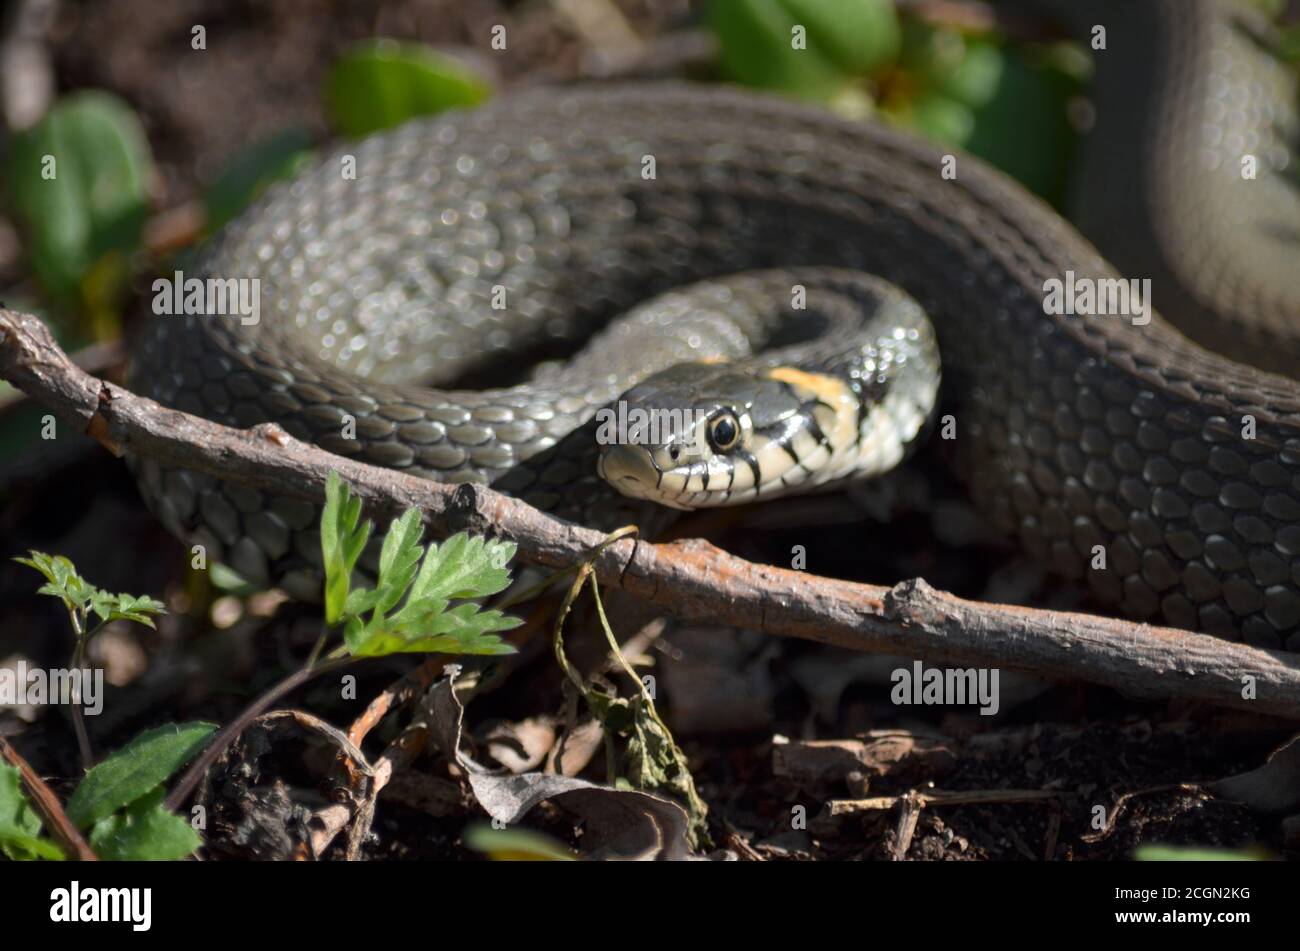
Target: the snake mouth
(630, 470)
(633, 472)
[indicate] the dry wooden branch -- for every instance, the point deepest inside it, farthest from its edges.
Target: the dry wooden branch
(689, 579)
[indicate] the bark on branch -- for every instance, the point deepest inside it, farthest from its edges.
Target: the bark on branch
(689, 579)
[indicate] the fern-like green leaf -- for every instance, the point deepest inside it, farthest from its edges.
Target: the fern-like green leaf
(423, 581)
(78, 594)
(128, 607)
(462, 567)
(398, 560)
(342, 538)
(62, 580)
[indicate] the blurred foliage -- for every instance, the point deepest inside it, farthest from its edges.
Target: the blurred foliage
(1289, 44)
(1006, 104)
(381, 84)
(78, 183)
(516, 845)
(1181, 853)
(756, 42)
(1009, 106)
(251, 170)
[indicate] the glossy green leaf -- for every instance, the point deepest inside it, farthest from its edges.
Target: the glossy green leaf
(383, 83)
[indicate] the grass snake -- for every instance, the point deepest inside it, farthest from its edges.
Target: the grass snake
(704, 214)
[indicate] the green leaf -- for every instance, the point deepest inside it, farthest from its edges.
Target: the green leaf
(1023, 127)
(465, 629)
(21, 847)
(859, 36)
(383, 83)
(942, 119)
(252, 170)
(78, 182)
(61, 576)
(975, 79)
(398, 560)
(128, 607)
(463, 567)
(1176, 853)
(516, 845)
(754, 39)
(63, 582)
(144, 832)
(342, 541)
(931, 53)
(135, 769)
(226, 579)
(56, 568)
(20, 826)
(1007, 105)
(360, 600)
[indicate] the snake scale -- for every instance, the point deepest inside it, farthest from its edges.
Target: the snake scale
(526, 224)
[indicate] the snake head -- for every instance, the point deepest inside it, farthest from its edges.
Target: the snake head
(700, 435)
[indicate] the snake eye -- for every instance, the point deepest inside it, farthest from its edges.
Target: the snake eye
(724, 431)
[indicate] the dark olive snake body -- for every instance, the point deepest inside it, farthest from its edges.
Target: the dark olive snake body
(1078, 434)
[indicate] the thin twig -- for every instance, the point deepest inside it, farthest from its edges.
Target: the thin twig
(74, 702)
(690, 579)
(227, 734)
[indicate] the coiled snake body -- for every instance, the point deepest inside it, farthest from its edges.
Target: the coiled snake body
(532, 220)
